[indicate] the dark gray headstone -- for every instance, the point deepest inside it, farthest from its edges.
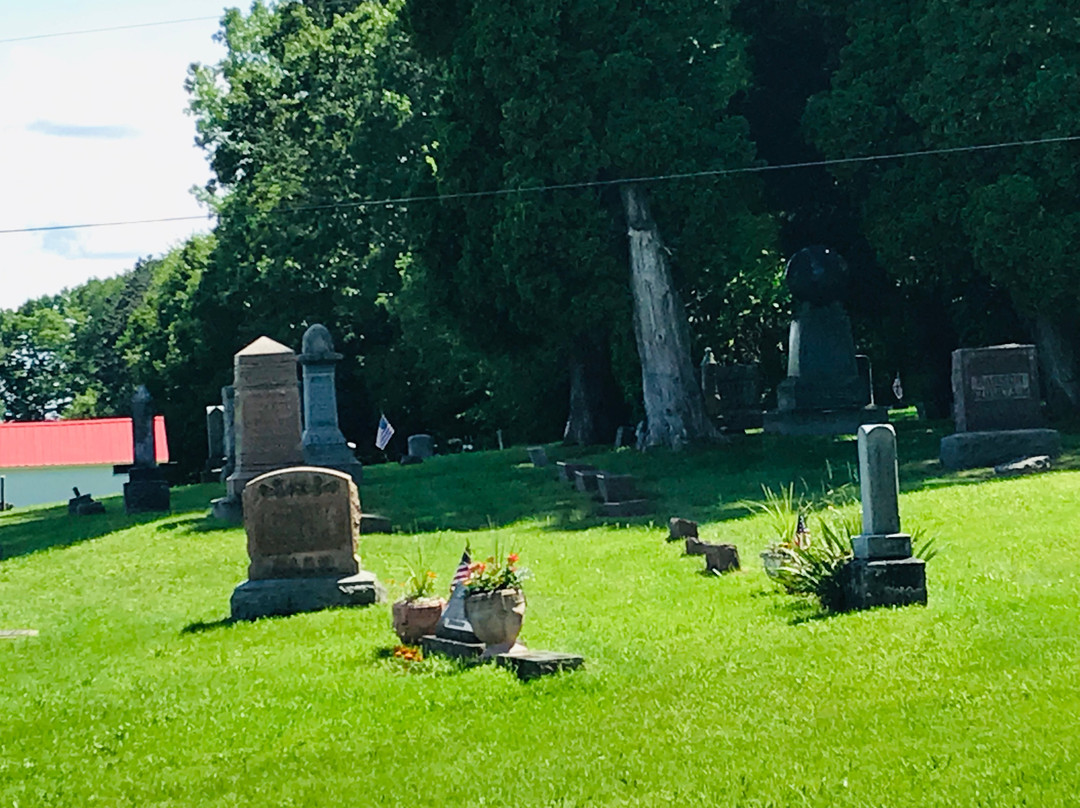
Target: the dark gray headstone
(215, 437)
(528, 665)
(996, 388)
(617, 487)
(322, 442)
(721, 557)
(147, 490)
(454, 625)
(538, 456)
(142, 428)
(679, 528)
(421, 446)
(228, 408)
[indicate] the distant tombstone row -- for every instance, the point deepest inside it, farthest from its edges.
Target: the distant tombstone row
(618, 493)
(997, 408)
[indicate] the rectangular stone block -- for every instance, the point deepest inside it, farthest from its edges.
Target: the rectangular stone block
(567, 471)
(996, 388)
(721, 557)
(679, 528)
(534, 664)
(895, 582)
(538, 456)
(585, 481)
(893, 545)
(968, 450)
(373, 523)
(432, 645)
(616, 487)
(629, 507)
(695, 546)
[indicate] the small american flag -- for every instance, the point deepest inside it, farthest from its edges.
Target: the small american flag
(897, 388)
(802, 535)
(462, 571)
(382, 437)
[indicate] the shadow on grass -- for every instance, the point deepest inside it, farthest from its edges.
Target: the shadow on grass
(201, 626)
(30, 530)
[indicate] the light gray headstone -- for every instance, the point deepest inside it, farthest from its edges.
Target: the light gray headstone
(323, 443)
(421, 445)
(879, 479)
(228, 407)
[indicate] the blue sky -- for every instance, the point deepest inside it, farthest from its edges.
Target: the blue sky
(94, 129)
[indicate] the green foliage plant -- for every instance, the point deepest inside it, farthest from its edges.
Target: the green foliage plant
(495, 572)
(419, 582)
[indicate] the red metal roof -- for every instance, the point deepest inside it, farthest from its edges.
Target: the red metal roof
(94, 442)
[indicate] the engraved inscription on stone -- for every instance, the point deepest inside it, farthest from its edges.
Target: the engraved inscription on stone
(1001, 386)
(302, 522)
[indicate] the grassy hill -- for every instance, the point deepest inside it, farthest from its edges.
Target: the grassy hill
(697, 690)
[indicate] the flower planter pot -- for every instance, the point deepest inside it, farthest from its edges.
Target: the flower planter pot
(771, 561)
(496, 618)
(415, 618)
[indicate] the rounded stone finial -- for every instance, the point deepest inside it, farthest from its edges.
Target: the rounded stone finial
(317, 346)
(817, 275)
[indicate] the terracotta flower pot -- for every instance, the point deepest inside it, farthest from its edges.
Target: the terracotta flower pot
(415, 618)
(496, 618)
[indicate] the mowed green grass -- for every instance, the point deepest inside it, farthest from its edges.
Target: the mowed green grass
(697, 690)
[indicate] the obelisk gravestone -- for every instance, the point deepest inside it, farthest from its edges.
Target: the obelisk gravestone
(146, 489)
(322, 441)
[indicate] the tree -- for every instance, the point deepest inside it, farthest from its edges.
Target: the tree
(566, 92)
(35, 360)
(930, 74)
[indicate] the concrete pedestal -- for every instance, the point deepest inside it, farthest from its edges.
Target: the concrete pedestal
(283, 596)
(885, 582)
(147, 491)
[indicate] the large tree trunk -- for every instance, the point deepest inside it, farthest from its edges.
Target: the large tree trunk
(674, 407)
(1058, 366)
(593, 411)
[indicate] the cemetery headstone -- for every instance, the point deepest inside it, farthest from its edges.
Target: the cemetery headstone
(538, 456)
(620, 497)
(266, 421)
(567, 471)
(679, 528)
(528, 665)
(997, 408)
(322, 442)
(822, 394)
(866, 379)
(422, 446)
(302, 525)
(585, 481)
(732, 394)
(883, 571)
(228, 408)
(147, 490)
(454, 635)
(84, 505)
(215, 442)
(721, 558)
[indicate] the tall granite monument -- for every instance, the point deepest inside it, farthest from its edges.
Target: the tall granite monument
(147, 490)
(997, 408)
(266, 420)
(822, 394)
(215, 442)
(228, 408)
(322, 441)
(302, 526)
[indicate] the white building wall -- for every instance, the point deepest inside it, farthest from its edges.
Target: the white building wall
(53, 484)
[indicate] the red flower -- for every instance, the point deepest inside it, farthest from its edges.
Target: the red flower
(512, 558)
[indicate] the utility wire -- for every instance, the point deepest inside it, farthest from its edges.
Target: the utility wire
(406, 200)
(102, 30)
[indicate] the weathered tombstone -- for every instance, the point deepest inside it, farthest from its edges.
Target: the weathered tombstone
(322, 441)
(721, 558)
(619, 496)
(422, 446)
(147, 490)
(568, 471)
(215, 442)
(679, 528)
(822, 394)
(866, 379)
(266, 422)
(84, 505)
(454, 635)
(883, 571)
(585, 481)
(302, 525)
(538, 456)
(228, 407)
(996, 407)
(732, 394)
(528, 665)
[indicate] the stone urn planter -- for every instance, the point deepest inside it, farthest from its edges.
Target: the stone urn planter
(496, 618)
(415, 618)
(772, 560)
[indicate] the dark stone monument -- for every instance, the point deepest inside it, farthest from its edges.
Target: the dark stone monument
(146, 490)
(228, 408)
(302, 525)
(996, 407)
(585, 481)
(454, 636)
(537, 456)
(619, 496)
(215, 443)
(322, 441)
(721, 558)
(732, 394)
(883, 571)
(422, 446)
(528, 665)
(679, 528)
(84, 505)
(568, 471)
(823, 393)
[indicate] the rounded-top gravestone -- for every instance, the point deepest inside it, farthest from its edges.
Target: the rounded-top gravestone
(322, 441)
(817, 275)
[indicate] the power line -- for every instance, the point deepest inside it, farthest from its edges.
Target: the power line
(102, 30)
(722, 172)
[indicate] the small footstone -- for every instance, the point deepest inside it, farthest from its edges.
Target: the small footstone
(630, 507)
(534, 664)
(681, 529)
(721, 557)
(373, 523)
(1023, 465)
(695, 546)
(442, 646)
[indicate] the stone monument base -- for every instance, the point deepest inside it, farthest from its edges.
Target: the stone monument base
(823, 422)
(227, 509)
(967, 450)
(528, 665)
(282, 596)
(146, 492)
(887, 582)
(431, 645)
(625, 508)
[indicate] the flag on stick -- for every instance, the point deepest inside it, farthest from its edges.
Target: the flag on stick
(382, 437)
(897, 388)
(462, 571)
